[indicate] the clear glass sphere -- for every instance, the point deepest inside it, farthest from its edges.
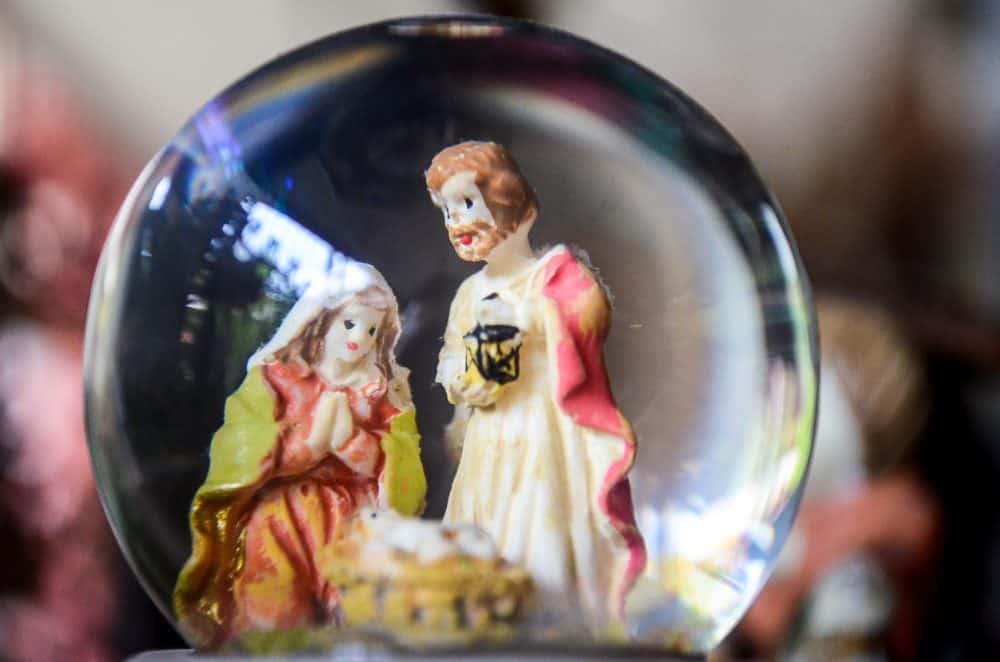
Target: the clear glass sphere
(319, 157)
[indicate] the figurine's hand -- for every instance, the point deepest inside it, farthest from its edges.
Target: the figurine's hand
(342, 425)
(470, 389)
(322, 419)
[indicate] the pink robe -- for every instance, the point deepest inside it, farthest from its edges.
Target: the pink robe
(295, 517)
(261, 547)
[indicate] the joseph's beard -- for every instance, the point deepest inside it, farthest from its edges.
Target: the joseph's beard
(485, 237)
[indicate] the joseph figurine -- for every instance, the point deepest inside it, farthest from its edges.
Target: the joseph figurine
(545, 452)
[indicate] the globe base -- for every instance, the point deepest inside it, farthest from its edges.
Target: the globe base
(357, 651)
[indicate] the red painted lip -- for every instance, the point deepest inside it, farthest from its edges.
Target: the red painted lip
(465, 239)
(353, 346)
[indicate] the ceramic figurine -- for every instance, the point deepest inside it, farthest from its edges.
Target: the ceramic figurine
(545, 452)
(322, 426)
(427, 581)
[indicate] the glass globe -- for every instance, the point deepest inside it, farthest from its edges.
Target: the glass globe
(317, 160)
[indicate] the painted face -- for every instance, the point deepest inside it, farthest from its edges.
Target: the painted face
(472, 230)
(352, 335)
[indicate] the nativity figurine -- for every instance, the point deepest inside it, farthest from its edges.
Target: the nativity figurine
(544, 450)
(425, 582)
(322, 427)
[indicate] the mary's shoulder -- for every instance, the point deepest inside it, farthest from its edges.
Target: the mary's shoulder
(255, 391)
(283, 376)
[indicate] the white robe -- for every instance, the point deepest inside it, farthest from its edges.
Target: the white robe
(529, 474)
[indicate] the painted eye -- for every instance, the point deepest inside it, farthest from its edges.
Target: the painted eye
(348, 324)
(371, 331)
(468, 203)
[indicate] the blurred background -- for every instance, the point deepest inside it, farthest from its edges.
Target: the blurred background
(877, 125)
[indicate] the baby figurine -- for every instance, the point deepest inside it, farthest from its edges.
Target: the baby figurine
(427, 581)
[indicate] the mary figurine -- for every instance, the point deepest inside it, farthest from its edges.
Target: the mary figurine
(322, 426)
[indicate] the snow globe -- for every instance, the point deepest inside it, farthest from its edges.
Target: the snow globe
(451, 334)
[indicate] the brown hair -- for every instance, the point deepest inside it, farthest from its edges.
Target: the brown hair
(508, 196)
(307, 347)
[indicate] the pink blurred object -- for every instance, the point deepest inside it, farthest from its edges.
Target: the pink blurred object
(67, 185)
(73, 186)
(893, 518)
(863, 503)
(47, 492)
